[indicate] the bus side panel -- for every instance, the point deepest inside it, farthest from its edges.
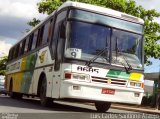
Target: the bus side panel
(13, 73)
(56, 83)
(8, 77)
(44, 64)
(36, 78)
(49, 75)
(17, 82)
(34, 84)
(28, 75)
(21, 72)
(26, 80)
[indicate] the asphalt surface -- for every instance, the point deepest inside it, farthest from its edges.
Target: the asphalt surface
(28, 108)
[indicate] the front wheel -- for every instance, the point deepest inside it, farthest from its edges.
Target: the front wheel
(102, 106)
(45, 101)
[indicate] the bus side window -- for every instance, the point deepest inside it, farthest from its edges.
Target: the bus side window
(45, 33)
(40, 35)
(30, 42)
(50, 29)
(62, 30)
(61, 16)
(23, 46)
(20, 49)
(16, 50)
(34, 43)
(15, 54)
(57, 42)
(10, 55)
(26, 45)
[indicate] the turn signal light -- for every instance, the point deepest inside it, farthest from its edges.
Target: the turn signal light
(142, 85)
(68, 75)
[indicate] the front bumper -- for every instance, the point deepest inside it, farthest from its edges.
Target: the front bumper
(92, 92)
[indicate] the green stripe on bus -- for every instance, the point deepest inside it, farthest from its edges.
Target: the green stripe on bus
(117, 74)
(27, 77)
(26, 82)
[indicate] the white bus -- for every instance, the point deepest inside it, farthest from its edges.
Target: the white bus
(80, 52)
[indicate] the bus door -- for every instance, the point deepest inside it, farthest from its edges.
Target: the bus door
(59, 39)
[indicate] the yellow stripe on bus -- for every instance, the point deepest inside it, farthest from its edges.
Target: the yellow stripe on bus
(135, 76)
(18, 81)
(23, 64)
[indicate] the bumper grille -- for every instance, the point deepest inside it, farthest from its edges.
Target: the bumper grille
(109, 81)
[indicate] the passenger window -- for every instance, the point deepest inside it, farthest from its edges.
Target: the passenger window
(23, 46)
(26, 45)
(34, 43)
(50, 29)
(20, 49)
(12, 51)
(59, 20)
(30, 42)
(10, 55)
(40, 35)
(16, 52)
(46, 33)
(54, 41)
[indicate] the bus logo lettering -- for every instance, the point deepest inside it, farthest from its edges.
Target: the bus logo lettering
(87, 69)
(109, 81)
(42, 56)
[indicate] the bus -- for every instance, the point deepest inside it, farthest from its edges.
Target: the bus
(80, 52)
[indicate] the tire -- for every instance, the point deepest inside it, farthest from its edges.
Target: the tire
(102, 106)
(45, 101)
(18, 95)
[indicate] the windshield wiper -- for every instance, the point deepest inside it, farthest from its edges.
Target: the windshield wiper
(97, 56)
(125, 59)
(129, 66)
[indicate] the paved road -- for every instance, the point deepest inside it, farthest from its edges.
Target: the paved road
(30, 108)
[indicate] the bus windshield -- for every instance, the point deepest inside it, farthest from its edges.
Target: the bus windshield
(126, 45)
(87, 39)
(90, 39)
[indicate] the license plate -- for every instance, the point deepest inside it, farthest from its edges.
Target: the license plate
(108, 91)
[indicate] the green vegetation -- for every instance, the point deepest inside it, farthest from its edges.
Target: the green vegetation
(34, 22)
(3, 61)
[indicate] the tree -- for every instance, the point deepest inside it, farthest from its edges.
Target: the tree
(3, 61)
(33, 23)
(151, 28)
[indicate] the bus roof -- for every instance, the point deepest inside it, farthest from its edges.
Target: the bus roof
(103, 10)
(90, 7)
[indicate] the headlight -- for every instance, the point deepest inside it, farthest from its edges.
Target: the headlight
(135, 84)
(81, 77)
(76, 76)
